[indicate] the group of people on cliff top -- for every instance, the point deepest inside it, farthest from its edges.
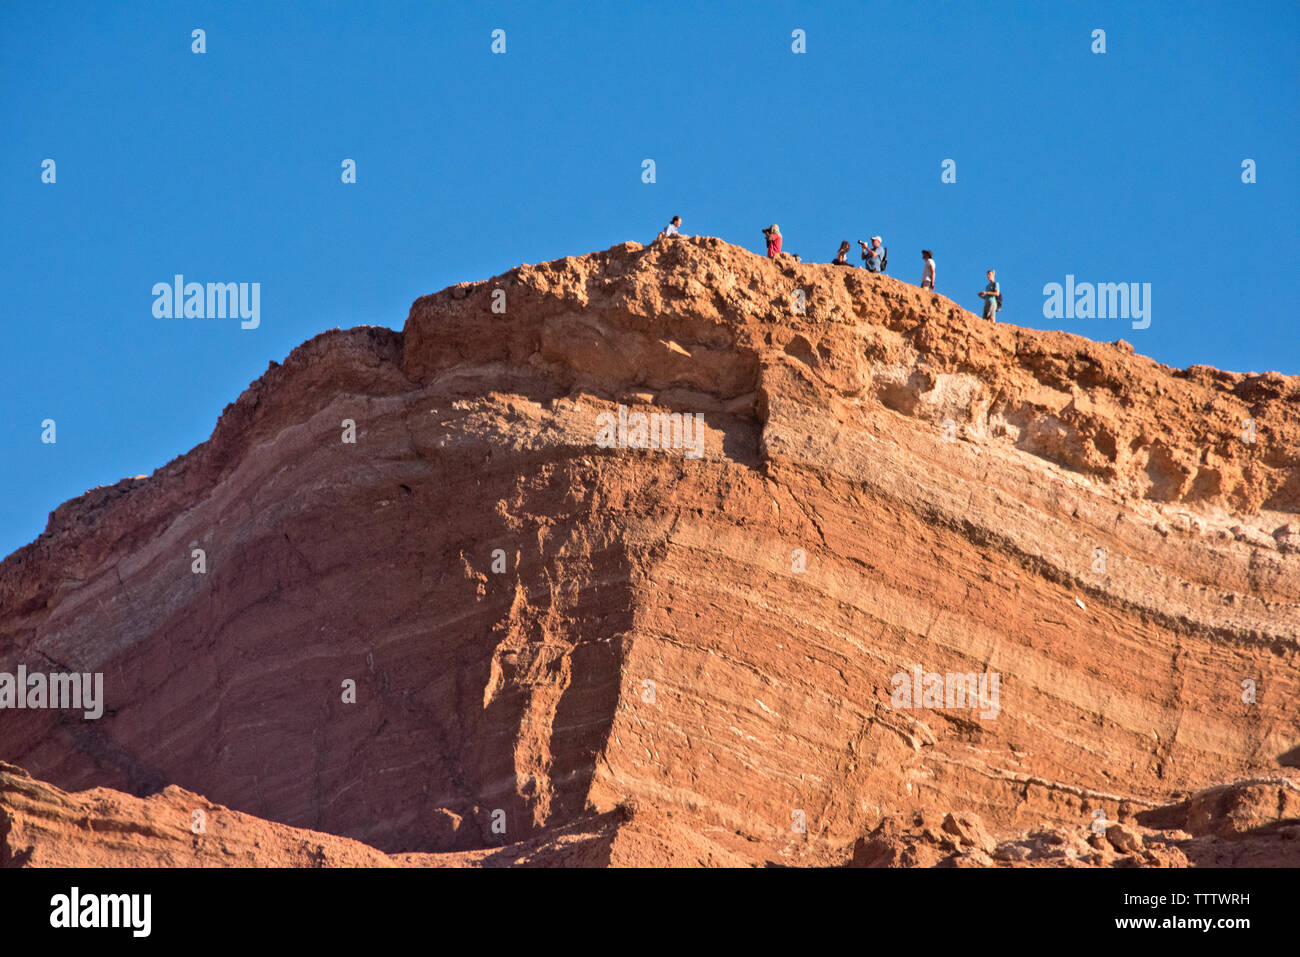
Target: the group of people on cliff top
(875, 258)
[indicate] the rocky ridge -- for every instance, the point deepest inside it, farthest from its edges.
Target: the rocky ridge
(691, 658)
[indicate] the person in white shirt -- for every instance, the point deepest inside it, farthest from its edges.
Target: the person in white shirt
(927, 277)
(672, 227)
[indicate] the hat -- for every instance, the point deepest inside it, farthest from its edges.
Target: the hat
(876, 239)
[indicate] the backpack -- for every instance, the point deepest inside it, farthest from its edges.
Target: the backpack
(999, 297)
(884, 258)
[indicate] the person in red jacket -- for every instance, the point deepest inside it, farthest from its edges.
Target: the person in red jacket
(773, 234)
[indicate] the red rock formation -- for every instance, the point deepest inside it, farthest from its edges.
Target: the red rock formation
(42, 826)
(887, 482)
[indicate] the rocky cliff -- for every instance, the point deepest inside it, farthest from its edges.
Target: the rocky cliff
(892, 573)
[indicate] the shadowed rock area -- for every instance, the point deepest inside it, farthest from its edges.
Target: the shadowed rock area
(678, 660)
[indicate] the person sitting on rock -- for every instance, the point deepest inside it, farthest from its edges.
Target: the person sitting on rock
(672, 228)
(773, 234)
(842, 257)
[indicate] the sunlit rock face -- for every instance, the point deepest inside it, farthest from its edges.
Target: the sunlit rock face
(676, 554)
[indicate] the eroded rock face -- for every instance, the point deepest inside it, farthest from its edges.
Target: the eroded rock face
(42, 826)
(890, 490)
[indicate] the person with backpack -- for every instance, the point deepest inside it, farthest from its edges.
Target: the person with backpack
(927, 276)
(875, 257)
(992, 296)
(842, 257)
(773, 234)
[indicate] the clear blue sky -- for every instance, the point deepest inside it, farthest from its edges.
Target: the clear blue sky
(1115, 167)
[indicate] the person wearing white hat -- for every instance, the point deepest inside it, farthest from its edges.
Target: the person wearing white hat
(773, 234)
(874, 256)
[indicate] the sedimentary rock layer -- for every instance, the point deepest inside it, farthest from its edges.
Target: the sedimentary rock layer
(543, 629)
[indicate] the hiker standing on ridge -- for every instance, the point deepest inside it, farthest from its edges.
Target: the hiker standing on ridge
(773, 234)
(927, 277)
(992, 296)
(671, 228)
(842, 257)
(875, 256)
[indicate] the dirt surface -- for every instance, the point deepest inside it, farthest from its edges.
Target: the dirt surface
(568, 653)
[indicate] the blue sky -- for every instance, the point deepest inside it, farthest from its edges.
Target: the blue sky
(225, 166)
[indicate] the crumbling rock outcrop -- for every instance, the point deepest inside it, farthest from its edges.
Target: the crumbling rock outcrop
(544, 631)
